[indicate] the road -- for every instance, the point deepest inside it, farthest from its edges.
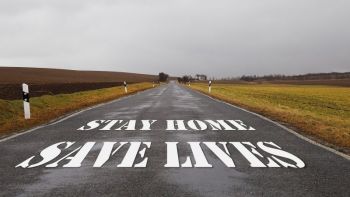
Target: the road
(325, 173)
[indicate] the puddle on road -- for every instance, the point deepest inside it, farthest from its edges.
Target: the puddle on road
(206, 182)
(127, 112)
(57, 178)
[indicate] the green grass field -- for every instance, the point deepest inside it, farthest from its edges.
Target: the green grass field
(319, 111)
(46, 108)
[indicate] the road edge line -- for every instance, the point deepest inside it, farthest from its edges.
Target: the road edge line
(69, 115)
(345, 156)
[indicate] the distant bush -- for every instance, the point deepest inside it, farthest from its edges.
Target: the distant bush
(185, 79)
(163, 77)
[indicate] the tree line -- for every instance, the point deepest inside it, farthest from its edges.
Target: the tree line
(163, 77)
(311, 76)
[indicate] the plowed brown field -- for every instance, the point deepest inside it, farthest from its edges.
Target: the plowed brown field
(44, 81)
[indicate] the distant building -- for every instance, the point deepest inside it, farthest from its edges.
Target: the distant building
(201, 77)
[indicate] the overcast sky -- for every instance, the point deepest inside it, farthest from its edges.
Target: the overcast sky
(217, 38)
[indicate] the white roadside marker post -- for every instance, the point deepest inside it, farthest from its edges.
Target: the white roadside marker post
(26, 106)
(125, 87)
(189, 83)
(209, 86)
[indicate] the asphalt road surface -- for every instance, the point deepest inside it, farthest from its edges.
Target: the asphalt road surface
(325, 173)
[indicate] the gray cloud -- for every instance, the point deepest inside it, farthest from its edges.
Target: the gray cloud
(218, 38)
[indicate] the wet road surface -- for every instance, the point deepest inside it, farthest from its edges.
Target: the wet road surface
(324, 174)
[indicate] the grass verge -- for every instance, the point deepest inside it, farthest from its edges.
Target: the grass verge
(320, 112)
(46, 108)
